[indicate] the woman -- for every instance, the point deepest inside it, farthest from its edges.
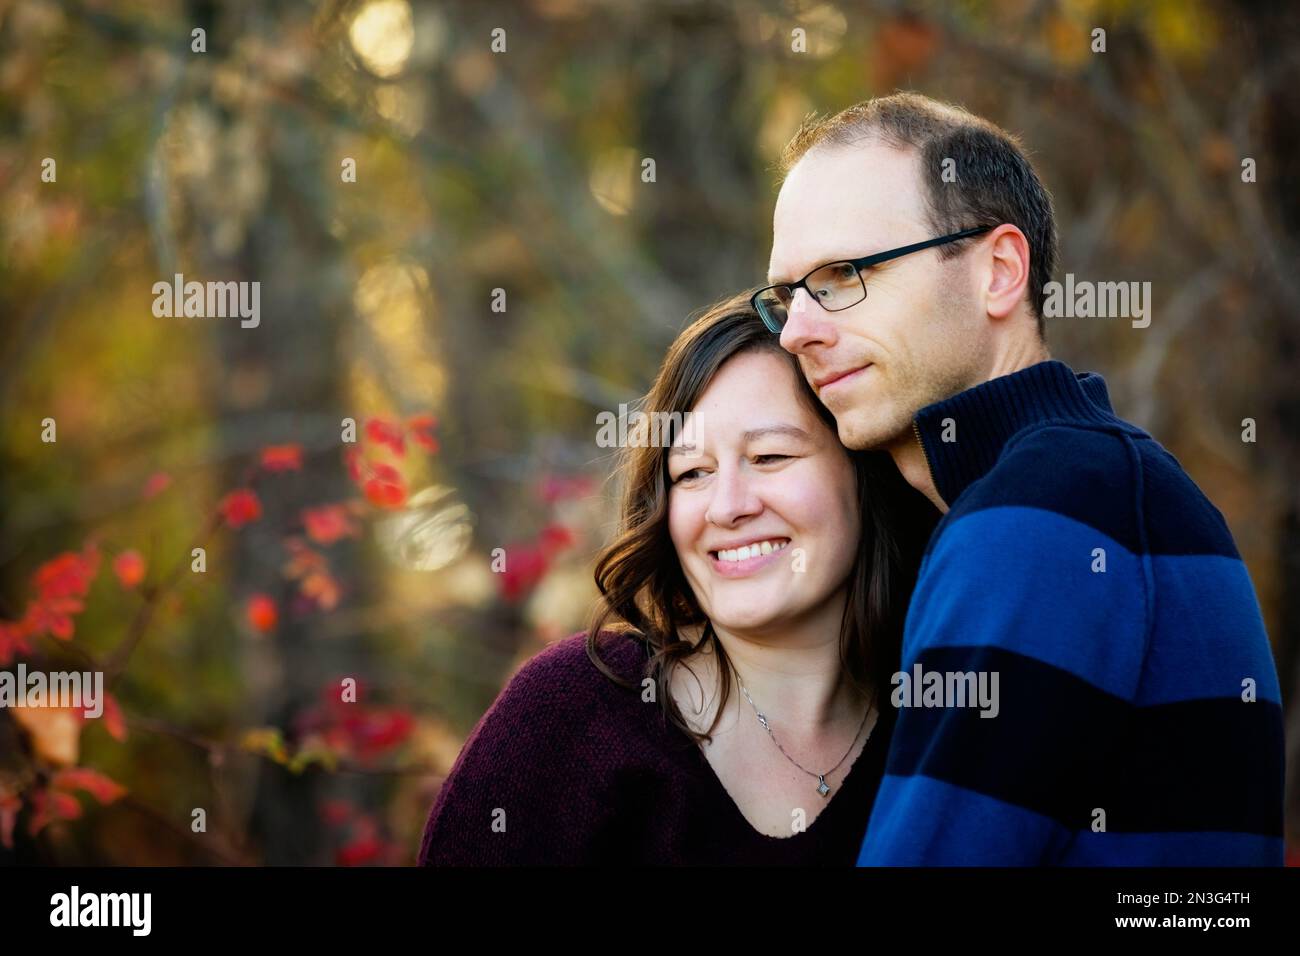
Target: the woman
(754, 550)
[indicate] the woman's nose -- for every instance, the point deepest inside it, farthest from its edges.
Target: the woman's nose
(734, 498)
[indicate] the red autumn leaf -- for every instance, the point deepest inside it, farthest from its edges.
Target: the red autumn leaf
(352, 728)
(302, 559)
(336, 812)
(366, 849)
(378, 731)
(262, 613)
(59, 576)
(51, 805)
(311, 570)
(240, 507)
(156, 484)
(555, 538)
(10, 804)
(384, 488)
(555, 489)
(525, 567)
(367, 845)
(282, 457)
(13, 640)
(114, 721)
(51, 616)
(352, 458)
(129, 568)
(63, 806)
(420, 428)
(329, 523)
(322, 589)
(426, 441)
(67, 575)
(383, 432)
(93, 782)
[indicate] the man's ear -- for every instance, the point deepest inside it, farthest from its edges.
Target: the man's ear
(1007, 270)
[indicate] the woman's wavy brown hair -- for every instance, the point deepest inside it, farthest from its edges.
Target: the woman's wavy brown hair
(642, 586)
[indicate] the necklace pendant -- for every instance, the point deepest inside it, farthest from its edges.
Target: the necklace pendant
(821, 785)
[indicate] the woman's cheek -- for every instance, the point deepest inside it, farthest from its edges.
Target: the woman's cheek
(683, 525)
(839, 516)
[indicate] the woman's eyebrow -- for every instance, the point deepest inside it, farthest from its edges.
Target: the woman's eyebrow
(789, 431)
(753, 434)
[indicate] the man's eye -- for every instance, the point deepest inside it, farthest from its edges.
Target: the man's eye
(769, 459)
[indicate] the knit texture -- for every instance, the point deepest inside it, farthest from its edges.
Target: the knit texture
(574, 770)
(1080, 563)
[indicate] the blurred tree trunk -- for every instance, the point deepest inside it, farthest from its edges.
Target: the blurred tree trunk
(287, 370)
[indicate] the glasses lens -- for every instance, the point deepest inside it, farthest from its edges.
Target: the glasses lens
(837, 286)
(772, 305)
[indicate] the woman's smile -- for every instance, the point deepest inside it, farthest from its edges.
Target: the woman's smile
(741, 561)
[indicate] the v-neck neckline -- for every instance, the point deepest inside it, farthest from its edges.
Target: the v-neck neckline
(870, 754)
(721, 791)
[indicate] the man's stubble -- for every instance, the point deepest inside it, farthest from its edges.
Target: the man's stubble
(945, 364)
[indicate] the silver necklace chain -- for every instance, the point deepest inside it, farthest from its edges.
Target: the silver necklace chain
(822, 786)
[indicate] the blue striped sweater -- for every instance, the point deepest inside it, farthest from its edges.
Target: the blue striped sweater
(1139, 717)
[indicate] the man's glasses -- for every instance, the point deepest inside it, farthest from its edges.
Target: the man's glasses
(837, 285)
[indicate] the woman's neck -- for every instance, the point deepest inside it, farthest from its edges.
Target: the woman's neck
(794, 677)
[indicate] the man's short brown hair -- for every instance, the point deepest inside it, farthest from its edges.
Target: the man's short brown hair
(995, 182)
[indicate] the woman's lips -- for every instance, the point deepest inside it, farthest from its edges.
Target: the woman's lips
(740, 569)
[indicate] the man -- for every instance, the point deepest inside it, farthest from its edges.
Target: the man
(1077, 572)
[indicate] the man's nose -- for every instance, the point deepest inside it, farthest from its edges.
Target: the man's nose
(806, 324)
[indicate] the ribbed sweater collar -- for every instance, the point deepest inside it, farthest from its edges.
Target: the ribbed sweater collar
(986, 417)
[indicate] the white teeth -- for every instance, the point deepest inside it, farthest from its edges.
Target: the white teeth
(751, 550)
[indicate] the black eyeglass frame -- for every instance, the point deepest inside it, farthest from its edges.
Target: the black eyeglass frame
(858, 265)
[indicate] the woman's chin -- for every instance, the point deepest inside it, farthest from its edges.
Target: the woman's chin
(739, 620)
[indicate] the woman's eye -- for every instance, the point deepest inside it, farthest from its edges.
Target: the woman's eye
(769, 459)
(687, 475)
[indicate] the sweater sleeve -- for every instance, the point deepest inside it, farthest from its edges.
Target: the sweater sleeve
(524, 790)
(1023, 647)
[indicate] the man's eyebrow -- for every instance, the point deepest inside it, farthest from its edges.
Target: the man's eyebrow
(775, 278)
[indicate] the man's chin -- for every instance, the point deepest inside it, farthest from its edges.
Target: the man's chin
(860, 433)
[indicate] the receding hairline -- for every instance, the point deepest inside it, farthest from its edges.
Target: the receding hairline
(829, 149)
(861, 123)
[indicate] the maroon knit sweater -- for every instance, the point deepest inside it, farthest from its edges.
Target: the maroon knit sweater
(582, 771)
